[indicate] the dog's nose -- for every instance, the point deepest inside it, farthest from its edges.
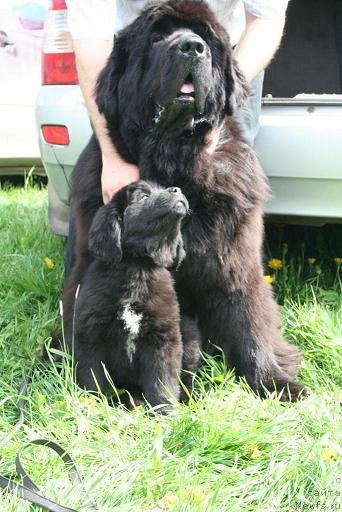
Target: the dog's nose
(174, 190)
(191, 45)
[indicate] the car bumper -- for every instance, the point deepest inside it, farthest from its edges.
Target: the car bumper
(62, 105)
(298, 145)
(19, 151)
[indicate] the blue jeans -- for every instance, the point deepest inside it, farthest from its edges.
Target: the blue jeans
(247, 118)
(69, 257)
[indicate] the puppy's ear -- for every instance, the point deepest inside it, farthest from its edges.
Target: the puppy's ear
(105, 234)
(108, 80)
(237, 89)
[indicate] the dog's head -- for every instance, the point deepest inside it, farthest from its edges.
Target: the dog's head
(142, 220)
(171, 69)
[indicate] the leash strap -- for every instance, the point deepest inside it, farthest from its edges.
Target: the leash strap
(29, 490)
(32, 496)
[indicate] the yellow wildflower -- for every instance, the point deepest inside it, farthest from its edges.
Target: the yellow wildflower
(311, 261)
(168, 500)
(338, 261)
(196, 494)
(48, 263)
(253, 452)
(329, 453)
(275, 264)
(269, 279)
(88, 401)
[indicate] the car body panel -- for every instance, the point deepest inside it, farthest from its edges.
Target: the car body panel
(299, 145)
(301, 140)
(62, 105)
(20, 68)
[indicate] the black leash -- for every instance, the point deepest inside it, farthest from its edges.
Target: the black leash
(29, 490)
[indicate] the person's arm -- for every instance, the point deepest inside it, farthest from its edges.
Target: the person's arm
(91, 57)
(258, 43)
(91, 24)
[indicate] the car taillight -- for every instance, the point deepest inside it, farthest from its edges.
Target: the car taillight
(55, 134)
(57, 5)
(58, 59)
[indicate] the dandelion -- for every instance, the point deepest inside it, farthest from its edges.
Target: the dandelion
(275, 264)
(168, 500)
(269, 279)
(329, 453)
(338, 261)
(311, 261)
(196, 494)
(253, 451)
(48, 263)
(88, 401)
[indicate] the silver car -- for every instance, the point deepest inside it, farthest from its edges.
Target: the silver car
(300, 138)
(20, 50)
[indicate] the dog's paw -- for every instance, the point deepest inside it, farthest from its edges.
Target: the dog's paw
(286, 392)
(293, 392)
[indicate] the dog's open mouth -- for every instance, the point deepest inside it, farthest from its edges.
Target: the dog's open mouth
(187, 91)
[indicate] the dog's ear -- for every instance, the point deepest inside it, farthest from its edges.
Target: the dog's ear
(105, 234)
(237, 89)
(107, 83)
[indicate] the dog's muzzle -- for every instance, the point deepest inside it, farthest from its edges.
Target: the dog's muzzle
(179, 204)
(188, 74)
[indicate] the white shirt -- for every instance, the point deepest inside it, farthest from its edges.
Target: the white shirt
(101, 19)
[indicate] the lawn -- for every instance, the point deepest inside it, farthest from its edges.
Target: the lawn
(227, 450)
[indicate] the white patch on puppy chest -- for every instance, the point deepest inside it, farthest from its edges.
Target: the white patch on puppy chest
(131, 320)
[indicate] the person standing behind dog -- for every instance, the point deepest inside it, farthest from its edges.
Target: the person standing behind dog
(255, 28)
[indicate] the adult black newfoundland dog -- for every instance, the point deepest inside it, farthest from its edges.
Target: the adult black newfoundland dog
(167, 92)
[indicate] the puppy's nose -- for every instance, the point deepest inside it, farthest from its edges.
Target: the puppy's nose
(174, 190)
(191, 45)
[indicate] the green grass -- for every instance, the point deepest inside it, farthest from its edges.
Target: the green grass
(225, 451)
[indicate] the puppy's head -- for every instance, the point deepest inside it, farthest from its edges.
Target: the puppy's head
(142, 220)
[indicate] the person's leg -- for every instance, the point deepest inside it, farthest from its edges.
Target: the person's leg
(247, 116)
(69, 258)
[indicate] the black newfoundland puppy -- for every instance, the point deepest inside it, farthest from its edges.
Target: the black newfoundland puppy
(167, 92)
(127, 313)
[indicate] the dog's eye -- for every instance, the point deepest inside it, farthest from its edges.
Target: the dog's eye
(142, 197)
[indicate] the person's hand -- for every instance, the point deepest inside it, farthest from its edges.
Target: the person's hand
(116, 174)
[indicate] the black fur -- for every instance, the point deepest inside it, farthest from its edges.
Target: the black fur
(126, 315)
(220, 282)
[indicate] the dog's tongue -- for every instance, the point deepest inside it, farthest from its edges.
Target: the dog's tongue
(187, 88)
